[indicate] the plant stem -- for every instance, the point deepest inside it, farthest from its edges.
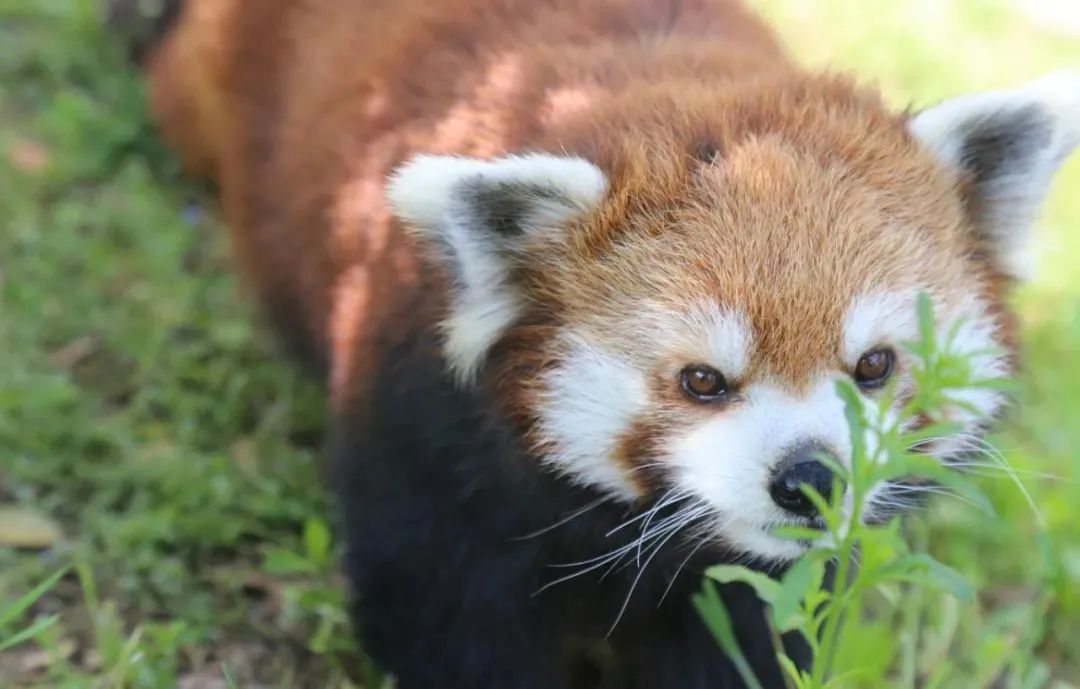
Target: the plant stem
(834, 611)
(912, 621)
(778, 644)
(833, 614)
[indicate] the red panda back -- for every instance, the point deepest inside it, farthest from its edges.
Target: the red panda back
(299, 110)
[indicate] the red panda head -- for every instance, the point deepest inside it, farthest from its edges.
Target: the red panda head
(667, 308)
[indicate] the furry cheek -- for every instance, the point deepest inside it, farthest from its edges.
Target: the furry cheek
(588, 403)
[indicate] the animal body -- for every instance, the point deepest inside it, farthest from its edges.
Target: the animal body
(580, 276)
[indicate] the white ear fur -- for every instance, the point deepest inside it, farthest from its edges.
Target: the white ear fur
(1009, 143)
(477, 214)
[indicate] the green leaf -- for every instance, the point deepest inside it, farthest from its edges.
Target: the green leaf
(924, 310)
(315, 598)
(830, 513)
(845, 680)
(947, 578)
(1000, 384)
(712, 610)
(799, 533)
(281, 561)
(317, 540)
(802, 577)
(935, 430)
(928, 467)
(922, 569)
(23, 602)
(853, 412)
(372, 676)
(229, 681)
(29, 633)
(799, 679)
(939, 675)
(766, 588)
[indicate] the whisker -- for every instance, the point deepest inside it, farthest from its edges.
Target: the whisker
(977, 444)
(998, 472)
(671, 584)
(612, 557)
(638, 543)
(565, 520)
(637, 579)
(649, 465)
(900, 497)
(615, 565)
(670, 498)
(601, 561)
(623, 548)
(645, 525)
(676, 521)
(998, 458)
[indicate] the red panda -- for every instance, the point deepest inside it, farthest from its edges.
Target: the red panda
(573, 265)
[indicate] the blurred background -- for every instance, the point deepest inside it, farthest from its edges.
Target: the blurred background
(158, 457)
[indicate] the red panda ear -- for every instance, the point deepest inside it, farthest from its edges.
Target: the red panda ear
(477, 215)
(1008, 145)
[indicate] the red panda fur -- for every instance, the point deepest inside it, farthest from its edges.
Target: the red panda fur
(300, 110)
(715, 146)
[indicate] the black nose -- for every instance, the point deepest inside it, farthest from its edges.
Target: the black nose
(801, 466)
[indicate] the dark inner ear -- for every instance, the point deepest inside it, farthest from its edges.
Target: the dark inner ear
(505, 207)
(1007, 143)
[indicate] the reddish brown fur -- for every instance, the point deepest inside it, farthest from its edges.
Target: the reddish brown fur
(816, 191)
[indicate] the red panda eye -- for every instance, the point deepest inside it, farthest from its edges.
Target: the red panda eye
(874, 368)
(703, 383)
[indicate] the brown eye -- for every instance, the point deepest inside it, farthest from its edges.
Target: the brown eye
(874, 368)
(703, 383)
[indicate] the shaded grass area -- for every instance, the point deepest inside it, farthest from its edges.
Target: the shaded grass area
(151, 437)
(142, 409)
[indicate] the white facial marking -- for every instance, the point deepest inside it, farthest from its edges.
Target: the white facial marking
(478, 319)
(723, 336)
(705, 333)
(878, 319)
(591, 400)
(441, 199)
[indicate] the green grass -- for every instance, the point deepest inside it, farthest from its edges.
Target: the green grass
(145, 414)
(141, 408)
